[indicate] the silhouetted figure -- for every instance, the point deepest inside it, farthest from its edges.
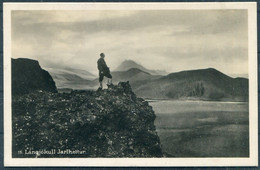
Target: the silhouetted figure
(103, 71)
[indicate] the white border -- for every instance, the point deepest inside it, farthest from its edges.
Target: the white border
(253, 97)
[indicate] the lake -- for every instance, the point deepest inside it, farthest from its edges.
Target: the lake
(202, 128)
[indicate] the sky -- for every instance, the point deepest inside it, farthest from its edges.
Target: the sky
(170, 40)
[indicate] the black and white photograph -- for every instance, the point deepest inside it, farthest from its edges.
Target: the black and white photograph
(162, 84)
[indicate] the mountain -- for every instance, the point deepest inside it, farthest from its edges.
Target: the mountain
(28, 76)
(110, 123)
(239, 75)
(71, 78)
(82, 73)
(128, 64)
(132, 75)
(204, 84)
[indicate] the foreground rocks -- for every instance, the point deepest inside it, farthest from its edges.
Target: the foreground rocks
(107, 123)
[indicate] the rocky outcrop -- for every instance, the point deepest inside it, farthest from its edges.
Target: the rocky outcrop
(28, 76)
(107, 123)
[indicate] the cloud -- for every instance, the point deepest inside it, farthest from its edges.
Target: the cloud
(197, 21)
(170, 39)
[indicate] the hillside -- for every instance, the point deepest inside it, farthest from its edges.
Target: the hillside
(204, 84)
(129, 64)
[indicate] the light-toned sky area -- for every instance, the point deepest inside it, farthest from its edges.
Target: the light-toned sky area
(171, 40)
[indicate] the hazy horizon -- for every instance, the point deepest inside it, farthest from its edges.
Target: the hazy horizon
(170, 40)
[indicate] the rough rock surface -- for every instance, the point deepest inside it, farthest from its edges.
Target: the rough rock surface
(108, 123)
(27, 76)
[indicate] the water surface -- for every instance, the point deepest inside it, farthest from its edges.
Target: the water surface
(202, 128)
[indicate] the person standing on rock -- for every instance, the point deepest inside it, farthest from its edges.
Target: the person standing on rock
(103, 71)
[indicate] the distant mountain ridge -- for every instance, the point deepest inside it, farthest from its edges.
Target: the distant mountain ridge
(203, 84)
(128, 64)
(132, 75)
(70, 77)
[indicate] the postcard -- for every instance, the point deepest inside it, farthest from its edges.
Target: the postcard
(130, 84)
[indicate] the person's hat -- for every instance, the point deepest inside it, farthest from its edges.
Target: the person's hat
(102, 54)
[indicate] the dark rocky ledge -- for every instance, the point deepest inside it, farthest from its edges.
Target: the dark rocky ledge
(28, 76)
